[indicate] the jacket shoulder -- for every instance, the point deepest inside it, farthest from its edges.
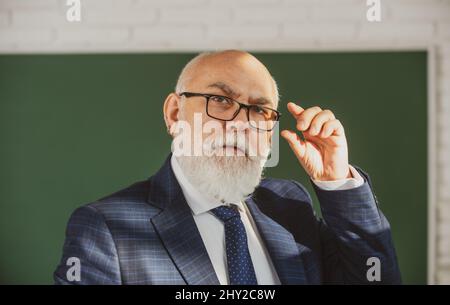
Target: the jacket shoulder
(274, 189)
(289, 204)
(130, 201)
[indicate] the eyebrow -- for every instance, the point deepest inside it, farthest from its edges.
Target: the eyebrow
(225, 89)
(230, 92)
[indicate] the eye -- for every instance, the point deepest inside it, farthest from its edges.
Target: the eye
(220, 99)
(259, 110)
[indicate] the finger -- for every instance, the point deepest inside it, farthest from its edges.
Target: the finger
(305, 118)
(333, 127)
(294, 109)
(297, 145)
(319, 120)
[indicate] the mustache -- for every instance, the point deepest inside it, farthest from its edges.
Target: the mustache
(218, 144)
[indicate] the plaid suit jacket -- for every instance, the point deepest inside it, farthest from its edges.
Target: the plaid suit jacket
(146, 234)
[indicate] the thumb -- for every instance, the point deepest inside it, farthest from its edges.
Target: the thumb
(297, 145)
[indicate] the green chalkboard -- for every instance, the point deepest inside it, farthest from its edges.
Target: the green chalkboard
(77, 127)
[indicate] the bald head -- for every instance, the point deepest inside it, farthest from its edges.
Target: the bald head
(237, 70)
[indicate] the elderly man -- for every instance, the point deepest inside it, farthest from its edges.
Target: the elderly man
(208, 217)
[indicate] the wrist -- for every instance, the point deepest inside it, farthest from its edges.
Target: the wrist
(334, 177)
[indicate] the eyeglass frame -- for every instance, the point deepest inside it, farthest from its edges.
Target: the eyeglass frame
(241, 105)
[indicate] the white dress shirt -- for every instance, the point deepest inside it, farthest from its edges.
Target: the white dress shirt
(213, 234)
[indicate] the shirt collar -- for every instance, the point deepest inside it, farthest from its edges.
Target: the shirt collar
(198, 202)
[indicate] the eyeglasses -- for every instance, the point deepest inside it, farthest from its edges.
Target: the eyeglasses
(226, 109)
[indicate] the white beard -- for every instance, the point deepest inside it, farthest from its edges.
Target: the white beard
(229, 179)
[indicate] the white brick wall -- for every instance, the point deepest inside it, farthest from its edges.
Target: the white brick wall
(39, 26)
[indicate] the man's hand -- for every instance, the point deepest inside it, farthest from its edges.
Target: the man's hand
(323, 154)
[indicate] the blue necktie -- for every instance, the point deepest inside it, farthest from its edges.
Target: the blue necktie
(240, 266)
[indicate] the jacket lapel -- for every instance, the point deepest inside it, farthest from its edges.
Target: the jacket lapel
(178, 231)
(281, 245)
